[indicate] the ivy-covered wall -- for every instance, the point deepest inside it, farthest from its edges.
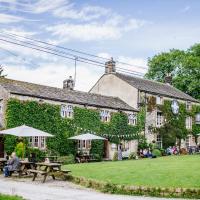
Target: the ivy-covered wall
(174, 126)
(47, 117)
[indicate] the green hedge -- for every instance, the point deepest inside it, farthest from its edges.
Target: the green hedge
(136, 190)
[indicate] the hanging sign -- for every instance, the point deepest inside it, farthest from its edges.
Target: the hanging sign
(175, 107)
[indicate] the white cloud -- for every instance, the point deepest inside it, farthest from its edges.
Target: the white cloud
(111, 29)
(53, 74)
(134, 64)
(37, 7)
(19, 31)
(6, 18)
(43, 6)
(86, 13)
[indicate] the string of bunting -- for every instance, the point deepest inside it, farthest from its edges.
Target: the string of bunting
(106, 135)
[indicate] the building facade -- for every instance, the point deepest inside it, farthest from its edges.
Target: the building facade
(67, 98)
(138, 91)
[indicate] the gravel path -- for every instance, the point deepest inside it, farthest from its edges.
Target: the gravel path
(56, 190)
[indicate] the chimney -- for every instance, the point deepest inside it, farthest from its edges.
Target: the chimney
(168, 79)
(68, 83)
(110, 66)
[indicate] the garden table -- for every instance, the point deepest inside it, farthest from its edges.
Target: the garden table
(46, 169)
(25, 166)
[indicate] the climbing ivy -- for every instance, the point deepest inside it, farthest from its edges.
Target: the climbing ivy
(43, 116)
(47, 117)
(195, 127)
(174, 126)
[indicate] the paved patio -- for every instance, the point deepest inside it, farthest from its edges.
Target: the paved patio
(59, 190)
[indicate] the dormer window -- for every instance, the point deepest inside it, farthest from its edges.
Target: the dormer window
(67, 111)
(132, 119)
(188, 105)
(159, 100)
(105, 115)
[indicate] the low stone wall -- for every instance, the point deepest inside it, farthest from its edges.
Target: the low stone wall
(190, 193)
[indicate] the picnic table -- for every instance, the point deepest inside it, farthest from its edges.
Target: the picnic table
(3, 162)
(23, 168)
(47, 169)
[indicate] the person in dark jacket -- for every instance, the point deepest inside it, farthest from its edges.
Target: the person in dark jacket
(12, 165)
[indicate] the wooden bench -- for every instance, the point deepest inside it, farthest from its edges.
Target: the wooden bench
(18, 172)
(63, 173)
(36, 172)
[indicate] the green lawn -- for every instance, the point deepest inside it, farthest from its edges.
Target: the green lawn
(171, 171)
(8, 197)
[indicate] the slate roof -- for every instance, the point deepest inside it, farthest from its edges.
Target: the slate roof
(63, 95)
(155, 87)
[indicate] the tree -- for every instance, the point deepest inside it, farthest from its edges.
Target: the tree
(184, 66)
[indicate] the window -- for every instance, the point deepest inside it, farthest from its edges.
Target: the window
(197, 118)
(188, 105)
(159, 100)
(39, 142)
(67, 111)
(159, 119)
(188, 122)
(159, 141)
(84, 144)
(105, 115)
(132, 119)
(36, 141)
(42, 142)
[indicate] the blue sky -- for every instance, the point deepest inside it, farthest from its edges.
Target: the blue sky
(128, 30)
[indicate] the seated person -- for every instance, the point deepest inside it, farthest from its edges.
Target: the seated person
(12, 165)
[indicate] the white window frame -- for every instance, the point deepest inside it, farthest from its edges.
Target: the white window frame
(159, 119)
(67, 111)
(197, 118)
(132, 119)
(159, 100)
(37, 142)
(159, 141)
(188, 122)
(105, 115)
(188, 105)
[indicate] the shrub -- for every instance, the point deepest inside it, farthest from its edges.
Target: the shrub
(132, 155)
(97, 149)
(97, 157)
(39, 154)
(70, 159)
(20, 150)
(157, 152)
(115, 156)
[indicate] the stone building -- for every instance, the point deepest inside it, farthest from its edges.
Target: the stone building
(135, 91)
(67, 98)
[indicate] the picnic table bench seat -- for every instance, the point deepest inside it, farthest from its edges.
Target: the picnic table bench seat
(64, 171)
(36, 172)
